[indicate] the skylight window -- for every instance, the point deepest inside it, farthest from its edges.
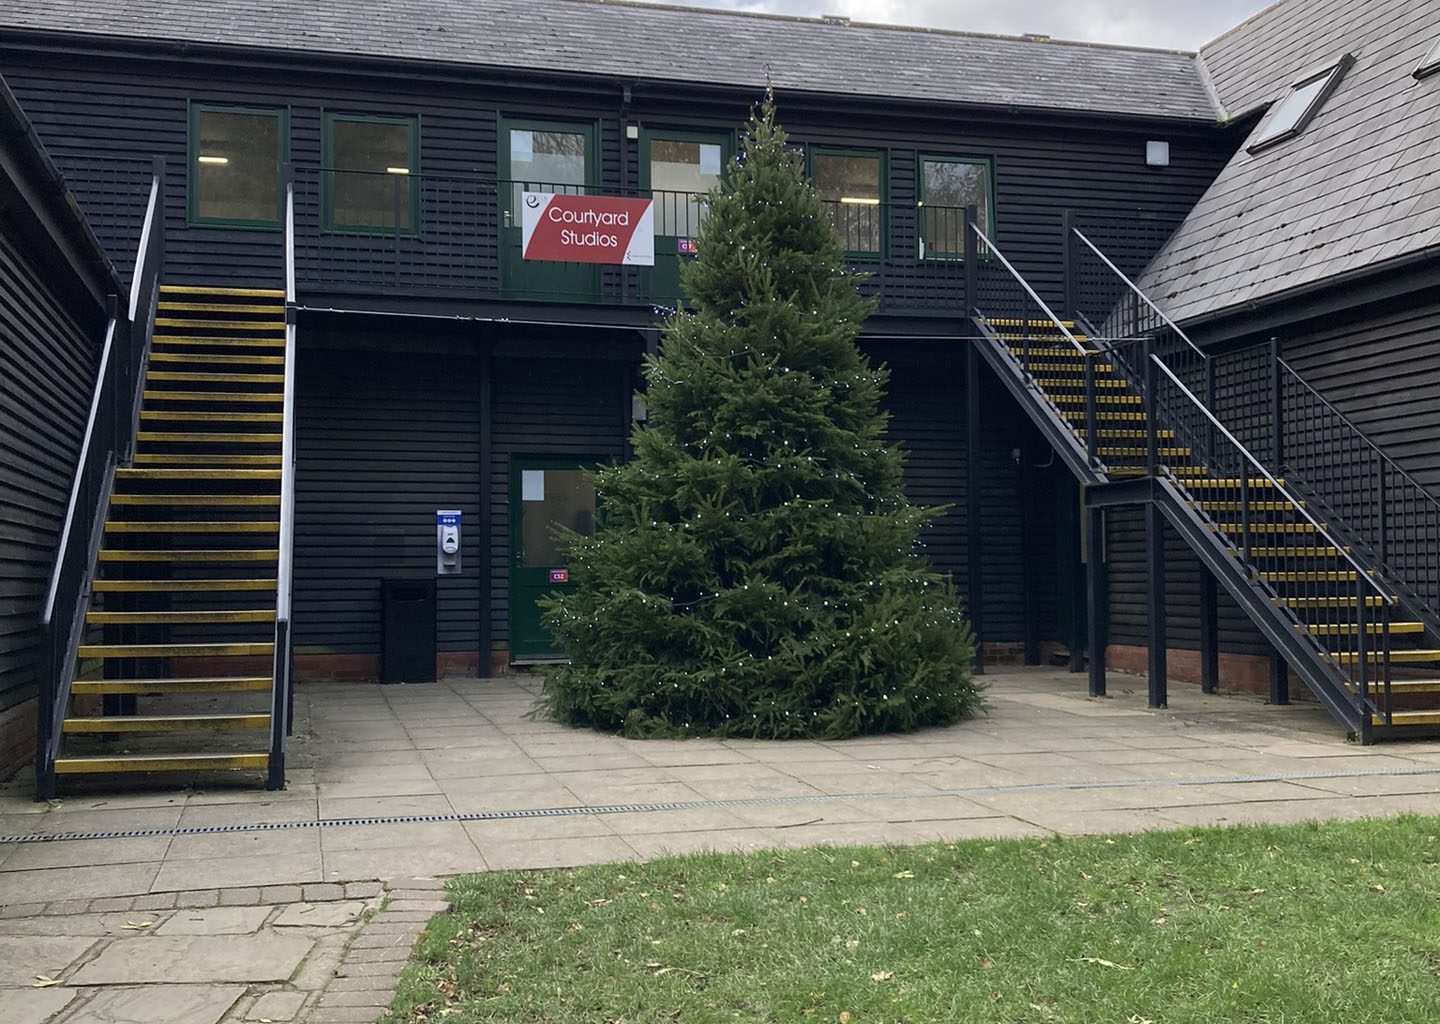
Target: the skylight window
(1289, 117)
(1430, 63)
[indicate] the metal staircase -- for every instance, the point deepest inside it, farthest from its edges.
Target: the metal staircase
(168, 619)
(1130, 407)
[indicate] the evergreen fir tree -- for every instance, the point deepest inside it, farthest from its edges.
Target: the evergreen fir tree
(756, 572)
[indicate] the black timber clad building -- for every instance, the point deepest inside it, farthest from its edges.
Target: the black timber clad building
(437, 370)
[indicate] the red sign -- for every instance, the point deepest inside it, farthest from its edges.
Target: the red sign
(559, 575)
(587, 229)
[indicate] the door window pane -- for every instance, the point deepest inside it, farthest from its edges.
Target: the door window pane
(850, 187)
(372, 184)
(681, 175)
(946, 188)
(547, 161)
(560, 497)
(236, 174)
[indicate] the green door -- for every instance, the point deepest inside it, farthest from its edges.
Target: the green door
(679, 169)
(545, 493)
(544, 156)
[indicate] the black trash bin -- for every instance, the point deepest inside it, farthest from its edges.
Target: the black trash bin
(407, 643)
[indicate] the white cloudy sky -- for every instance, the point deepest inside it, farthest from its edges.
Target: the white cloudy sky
(1176, 24)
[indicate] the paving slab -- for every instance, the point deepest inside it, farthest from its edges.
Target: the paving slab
(118, 923)
(32, 1005)
(181, 959)
(276, 1006)
(160, 1004)
(319, 915)
(24, 958)
(216, 921)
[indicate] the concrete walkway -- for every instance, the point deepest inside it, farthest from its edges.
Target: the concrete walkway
(463, 757)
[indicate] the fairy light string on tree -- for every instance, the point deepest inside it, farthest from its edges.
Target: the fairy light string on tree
(758, 570)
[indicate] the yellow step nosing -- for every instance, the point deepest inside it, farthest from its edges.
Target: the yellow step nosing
(196, 500)
(179, 586)
(152, 473)
(222, 325)
(1396, 657)
(204, 416)
(164, 723)
(213, 359)
(213, 437)
(184, 618)
(219, 378)
(190, 339)
(177, 684)
(191, 555)
(215, 650)
(108, 764)
(189, 526)
(255, 397)
(1353, 628)
(271, 308)
(173, 460)
(196, 289)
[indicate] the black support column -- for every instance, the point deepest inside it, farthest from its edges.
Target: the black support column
(1279, 679)
(486, 516)
(1155, 603)
(1209, 632)
(973, 567)
(1096, 597)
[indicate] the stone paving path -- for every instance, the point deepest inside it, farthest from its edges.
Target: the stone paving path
(263, 918)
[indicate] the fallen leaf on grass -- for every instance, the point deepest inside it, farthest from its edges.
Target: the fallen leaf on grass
(904, 874)
(41, 981)
(844, 1017)
(882, 975)
(596, 903)
(1103, 963)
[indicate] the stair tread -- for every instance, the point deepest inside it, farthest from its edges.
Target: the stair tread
(188, 586)
(188, 526)
(206, 416)
(177, 684)
(165, 723)
(253, 397)
(196, 500)
(215, 359)
(238, 649)
(168, 340)
(209, 437)
(1406, 656)
(199, 617)
(69, 765)
(189, 555)
(1408, 718)
(198, 289)
(221, 325)
(178, 460)
(272, 308)
(1353, 628)
(200, 377)
(153, 473)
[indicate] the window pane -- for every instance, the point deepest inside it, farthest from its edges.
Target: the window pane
(567, 499)
(681, 175)
(545, 161)
(237, 166)
(1292, 108)
(371, 185)
(946, 188)
(849, 186)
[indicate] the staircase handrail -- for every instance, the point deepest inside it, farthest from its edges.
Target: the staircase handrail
(109, 428)
(1330, 408)
(281, 681)
(1139, 293)
(1278, 487)
(994, 250)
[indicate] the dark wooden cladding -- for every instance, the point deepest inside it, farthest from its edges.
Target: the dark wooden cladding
(47, 375)
(1128, 569)
(102, 108)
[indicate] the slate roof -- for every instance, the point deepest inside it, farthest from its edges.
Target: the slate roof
(639, 41)
(1358, 187)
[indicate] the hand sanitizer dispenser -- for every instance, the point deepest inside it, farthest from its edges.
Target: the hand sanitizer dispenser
(447, 542)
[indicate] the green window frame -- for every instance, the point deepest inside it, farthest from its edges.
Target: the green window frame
(862, 222)
(196, 162)
(941, 234)
(332, 191)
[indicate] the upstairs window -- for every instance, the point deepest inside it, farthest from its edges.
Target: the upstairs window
(1430, 63)
(682, 169)
(1290, 116)
(851, 185)
(947, 186)
(236, 156)
(371, 182)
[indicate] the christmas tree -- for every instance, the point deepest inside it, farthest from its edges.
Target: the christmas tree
(757, 572)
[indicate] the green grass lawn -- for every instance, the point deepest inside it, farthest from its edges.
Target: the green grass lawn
(1304, 924)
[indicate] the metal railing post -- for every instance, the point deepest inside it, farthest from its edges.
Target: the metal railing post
(1210, 404)
(1067, 248)
(1092, 419)
(1277, 407)
(1150, 399)
(972, 259)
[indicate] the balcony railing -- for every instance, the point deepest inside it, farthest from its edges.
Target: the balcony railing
(458, 238)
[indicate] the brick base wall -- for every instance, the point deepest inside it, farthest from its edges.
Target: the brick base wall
(17, 737)
(1239, 673)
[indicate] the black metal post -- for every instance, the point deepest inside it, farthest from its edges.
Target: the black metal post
(1155, 604)
(1210, 405)
(1092, 417)
(1209, 632)
(1096, 598)
(1152, 393)
(1362, 642)
(275, 779)
(1068, 250)
(1382, 514)
(973, 566)
(1277, 407)
(1279, 678)
(972, 260)
(484, 525)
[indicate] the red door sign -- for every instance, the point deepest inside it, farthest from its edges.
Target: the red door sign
(587, 229)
